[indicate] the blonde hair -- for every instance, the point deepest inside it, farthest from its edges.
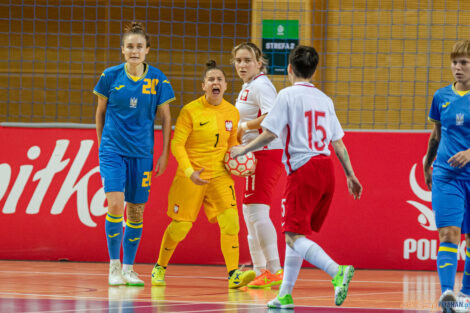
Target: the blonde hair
(134, 27)
(460, 49)
(254, 50)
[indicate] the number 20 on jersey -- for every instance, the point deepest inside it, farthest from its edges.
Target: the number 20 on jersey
(149, 86)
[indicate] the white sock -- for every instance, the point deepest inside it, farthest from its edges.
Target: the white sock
(292, 264)
(127, 267)
(115, 261)
(258, 216)
(257, 256)
(314, 254)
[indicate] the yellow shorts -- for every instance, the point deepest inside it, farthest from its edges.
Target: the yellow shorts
(185, 198)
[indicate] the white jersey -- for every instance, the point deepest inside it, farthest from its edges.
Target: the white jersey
(255, 99)
(305, 119)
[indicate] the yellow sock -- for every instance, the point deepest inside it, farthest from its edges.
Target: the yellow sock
(166, 249)
(230, 250)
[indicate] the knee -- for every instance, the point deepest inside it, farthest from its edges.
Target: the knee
(228, 222)
(179, 229)
(115, 206)
(449, 234)
(135, 211)
(291, 238)
(255, 213)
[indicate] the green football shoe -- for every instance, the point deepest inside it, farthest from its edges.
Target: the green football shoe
(284, 302)
(341, 282)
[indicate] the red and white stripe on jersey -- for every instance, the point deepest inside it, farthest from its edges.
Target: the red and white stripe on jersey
(255, 99)
(305, 120)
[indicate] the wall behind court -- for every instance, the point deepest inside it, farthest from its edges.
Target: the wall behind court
(381, 61)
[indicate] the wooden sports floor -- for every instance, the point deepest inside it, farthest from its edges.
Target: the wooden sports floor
(33, 286)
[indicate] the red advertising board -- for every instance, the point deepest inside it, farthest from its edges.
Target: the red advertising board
(52, 204)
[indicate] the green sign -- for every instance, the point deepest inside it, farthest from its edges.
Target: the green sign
(279, 38)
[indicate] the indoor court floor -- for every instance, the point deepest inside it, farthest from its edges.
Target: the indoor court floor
(33, 286)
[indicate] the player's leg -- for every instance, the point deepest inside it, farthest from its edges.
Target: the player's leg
(257, 255)
(132, 236)
(137, 189)
(220, 205)
(463, 297)
(184, 203)
(292, 264)
(257, 216)
(257, 201)
(175, 232)
(448, 206)
(114, 234)
(112, 170)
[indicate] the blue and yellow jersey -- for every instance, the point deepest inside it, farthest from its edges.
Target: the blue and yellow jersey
(131, 109)
(451, 108)
(203, 133)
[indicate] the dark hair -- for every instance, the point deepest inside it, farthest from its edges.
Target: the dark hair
(134, 27)
(211, 65)
(253, 50)
(304, 61)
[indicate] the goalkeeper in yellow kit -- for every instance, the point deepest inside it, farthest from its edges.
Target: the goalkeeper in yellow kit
(205, 129)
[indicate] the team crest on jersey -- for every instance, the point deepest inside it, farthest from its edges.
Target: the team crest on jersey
(176, 208)
(228, 126)
(133, 103)
(459, 119)
(244, 95)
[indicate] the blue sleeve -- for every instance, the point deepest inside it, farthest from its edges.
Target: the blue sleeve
(165, 91)
(102, 87)
(434, 112)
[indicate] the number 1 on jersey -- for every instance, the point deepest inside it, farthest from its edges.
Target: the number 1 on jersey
(319, 145)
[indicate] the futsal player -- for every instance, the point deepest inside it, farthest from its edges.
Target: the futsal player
(129, 96)
(304, 118)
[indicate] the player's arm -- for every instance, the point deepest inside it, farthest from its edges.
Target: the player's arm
(431, 153)
(165, 114)
(183, 129)
(354, 186)
(100, 117)
(262, 140)
(234, 139)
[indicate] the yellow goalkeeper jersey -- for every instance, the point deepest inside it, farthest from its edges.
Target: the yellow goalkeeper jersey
(203, 133)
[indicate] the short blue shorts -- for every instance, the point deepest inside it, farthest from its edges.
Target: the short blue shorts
(450, 202)
(129, 175)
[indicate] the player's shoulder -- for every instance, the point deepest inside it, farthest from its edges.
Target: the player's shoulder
(196, 104)
(262, 81)
(229, 106)
(113, 70)
(444, 91)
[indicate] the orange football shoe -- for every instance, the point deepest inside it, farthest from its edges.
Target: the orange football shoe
(266, 279)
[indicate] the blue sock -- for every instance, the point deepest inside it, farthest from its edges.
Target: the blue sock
(131, 241)
(113, 227)
(447, 265)
(466, 274)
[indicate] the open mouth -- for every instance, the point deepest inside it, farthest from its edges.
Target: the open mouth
(216, 91)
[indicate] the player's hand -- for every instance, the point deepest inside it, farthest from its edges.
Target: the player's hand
(237, 151)
(354, 187)
(162, 163)
(460, 159)
(428, 177)
(195, 178)
(240, 133)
